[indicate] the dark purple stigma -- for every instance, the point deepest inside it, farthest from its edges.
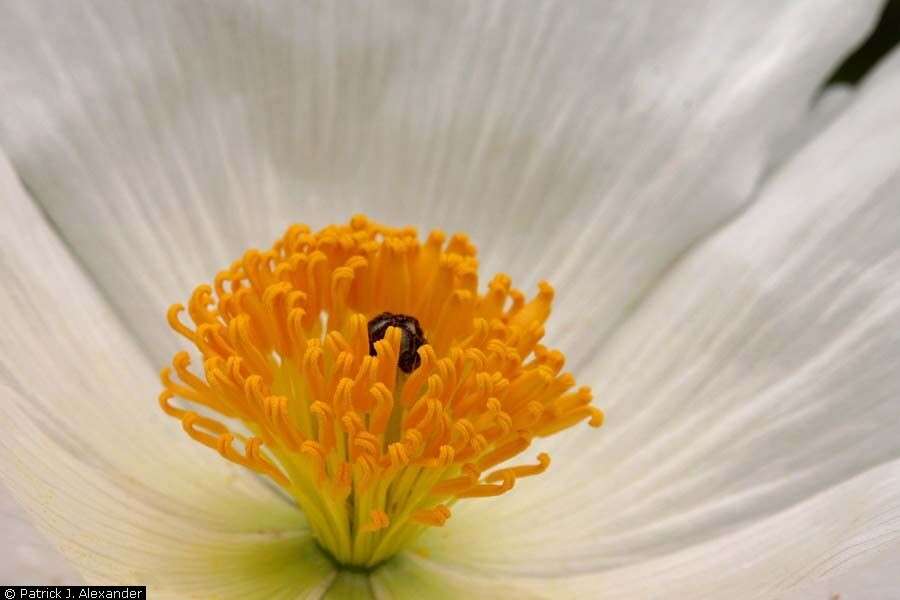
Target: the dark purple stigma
(412, 339)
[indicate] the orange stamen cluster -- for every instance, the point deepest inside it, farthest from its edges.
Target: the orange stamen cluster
(373, 455)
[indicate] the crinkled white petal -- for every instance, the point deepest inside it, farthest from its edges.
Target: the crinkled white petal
(588, 141)
(877, 579)
(744, 398)
(114, 483)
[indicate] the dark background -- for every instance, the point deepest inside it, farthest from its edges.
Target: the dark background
(885, 37)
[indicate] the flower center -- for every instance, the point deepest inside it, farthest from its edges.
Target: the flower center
(362, 371)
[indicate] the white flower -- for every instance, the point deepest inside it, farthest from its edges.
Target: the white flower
(743, 341)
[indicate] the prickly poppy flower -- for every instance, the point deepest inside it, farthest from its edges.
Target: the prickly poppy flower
(367, 406)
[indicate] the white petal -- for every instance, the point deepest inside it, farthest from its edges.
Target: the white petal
(875, 580)
(27, 557)
(762, 372)
(115, 484)
(596, 141)
(828, 105)
(825, 535)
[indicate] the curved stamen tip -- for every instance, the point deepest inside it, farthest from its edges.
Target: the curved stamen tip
(412, 339)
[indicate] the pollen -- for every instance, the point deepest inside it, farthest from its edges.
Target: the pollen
(364, 372)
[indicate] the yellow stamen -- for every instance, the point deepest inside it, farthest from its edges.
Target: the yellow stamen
(374, 438)
(379, 520)
(435, 517)
(486, 490)
(521, 471)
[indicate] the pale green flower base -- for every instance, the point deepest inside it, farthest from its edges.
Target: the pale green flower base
(291, 565)
(400, 578)
(403, 577)
(350, 586)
